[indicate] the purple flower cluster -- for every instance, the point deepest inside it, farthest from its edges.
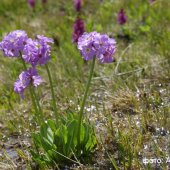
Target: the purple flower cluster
(26, 78)
(97, 45)
(31, 3)
(35, 52)
(121, 18)
(77, 5)
(13, 43)
(78, 30)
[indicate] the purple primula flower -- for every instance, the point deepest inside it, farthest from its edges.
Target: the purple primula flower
(26, 78)
(37, 51)
(77, 5)
(100, 43)
(88, 52)
(31, 3)
(13, 43)
(78, 29)
(121, 18)
(18, 88)
(97, 45)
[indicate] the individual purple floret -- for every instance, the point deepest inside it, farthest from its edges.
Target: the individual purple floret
(26, 78)
(37, 51)
(97, 45)
(42, 39)
(88, 52)
(31, 3)
(121, 18)
(13, 43)
(78, 29)
(77, 5)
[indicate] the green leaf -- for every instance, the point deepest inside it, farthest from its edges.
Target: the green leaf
(47, 133)
(82, 133)
(46, 144)
(72, 136)
(87, 132)
(63, 133)
(60, 138)
(51, 124)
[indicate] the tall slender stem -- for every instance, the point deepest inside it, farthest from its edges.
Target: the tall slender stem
(35, 102)
(84, 99)
(38, 104)
(38, 116)
(52, 92)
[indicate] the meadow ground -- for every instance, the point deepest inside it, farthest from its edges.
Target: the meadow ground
(129, 103)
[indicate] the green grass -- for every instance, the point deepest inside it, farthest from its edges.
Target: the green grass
(131, 96)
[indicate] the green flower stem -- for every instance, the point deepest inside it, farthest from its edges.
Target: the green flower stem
(37, 112)
(52, 92)
(84, 99)
(38, 104)
(35, 102)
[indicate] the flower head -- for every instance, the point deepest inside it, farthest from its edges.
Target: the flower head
(26, 78)
(31, 3)
(77, 5)
(13, 43)
(121, 18)
(37, 51)
(78, 29)
(97, 45)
